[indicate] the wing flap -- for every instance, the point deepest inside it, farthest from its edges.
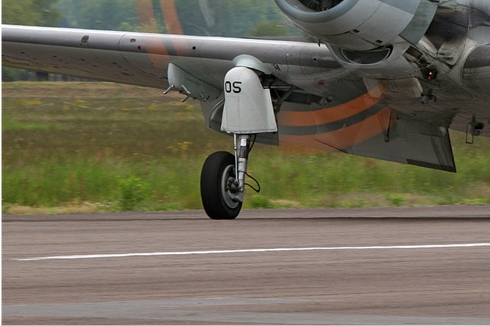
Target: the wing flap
(412, 142)
(378, 132)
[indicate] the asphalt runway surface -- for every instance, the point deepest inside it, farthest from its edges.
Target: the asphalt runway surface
(324, 266)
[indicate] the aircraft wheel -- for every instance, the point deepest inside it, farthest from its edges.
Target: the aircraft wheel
(218, 198)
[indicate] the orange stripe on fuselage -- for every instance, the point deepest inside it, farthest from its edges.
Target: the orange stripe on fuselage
(146, 16)
(157, 52)
(327, 115)
(154, 47)
(348, 136)
(171, 17)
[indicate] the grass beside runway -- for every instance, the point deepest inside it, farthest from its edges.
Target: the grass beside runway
(108, 147)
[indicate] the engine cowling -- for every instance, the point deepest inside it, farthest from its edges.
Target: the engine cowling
(476, 70)
(361, 25)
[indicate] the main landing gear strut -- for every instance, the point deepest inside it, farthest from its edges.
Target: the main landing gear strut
(223, 181)
(248, 111)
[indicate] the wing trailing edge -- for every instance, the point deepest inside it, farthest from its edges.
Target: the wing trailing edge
(412, 142)
(378, 132)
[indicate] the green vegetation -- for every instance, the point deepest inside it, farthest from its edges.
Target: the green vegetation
(109, 147)
(30, 12)
(204, 17)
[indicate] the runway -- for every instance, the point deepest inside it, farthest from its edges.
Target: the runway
(426, 265)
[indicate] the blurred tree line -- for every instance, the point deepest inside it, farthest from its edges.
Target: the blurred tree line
(231, 18)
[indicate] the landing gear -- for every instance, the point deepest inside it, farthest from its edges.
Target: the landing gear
(247, 111)
(223, 181)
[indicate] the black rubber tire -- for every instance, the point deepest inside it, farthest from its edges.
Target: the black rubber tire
(217, 204)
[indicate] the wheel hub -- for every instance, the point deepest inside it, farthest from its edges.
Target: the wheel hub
(231, 192)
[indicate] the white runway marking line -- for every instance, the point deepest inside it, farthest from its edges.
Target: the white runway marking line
(241, 251)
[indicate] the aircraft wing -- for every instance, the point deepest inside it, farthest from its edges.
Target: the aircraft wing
(347, 119)
(131, 58)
